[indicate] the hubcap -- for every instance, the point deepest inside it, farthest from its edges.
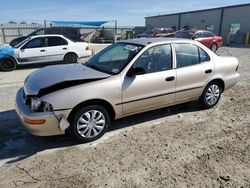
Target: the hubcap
(71, 59)
(212, 94)
(6, 64)
(91, 124)
(214, 47)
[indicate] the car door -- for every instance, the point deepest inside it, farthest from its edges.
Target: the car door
(193, 69)
(33, 51)
(56, 49)
(153, 89)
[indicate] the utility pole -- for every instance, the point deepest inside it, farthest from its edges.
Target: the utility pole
(45, 23)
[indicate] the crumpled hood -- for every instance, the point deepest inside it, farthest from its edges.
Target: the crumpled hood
(57, 77)
(6, 51)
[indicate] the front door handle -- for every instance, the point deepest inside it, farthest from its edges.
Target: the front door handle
(169, 79)
(64, 48)
(208, 71)
(42, 50)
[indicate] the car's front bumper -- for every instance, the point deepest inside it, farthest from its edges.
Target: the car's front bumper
(51, 125)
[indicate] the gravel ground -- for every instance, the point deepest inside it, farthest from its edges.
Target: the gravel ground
(180, 146)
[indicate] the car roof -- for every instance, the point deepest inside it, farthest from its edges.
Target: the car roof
(63, 27)
(49, 35)
(145, 41)
(195, 30)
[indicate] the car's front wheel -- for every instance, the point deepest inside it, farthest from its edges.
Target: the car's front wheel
(8, 64)
(214, 47)
(211, 95)
(70, 58)
(89, 123)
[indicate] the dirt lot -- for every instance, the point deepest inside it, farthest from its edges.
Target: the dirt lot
(181, 146)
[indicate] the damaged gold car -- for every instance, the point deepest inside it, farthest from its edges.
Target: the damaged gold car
(126, 78)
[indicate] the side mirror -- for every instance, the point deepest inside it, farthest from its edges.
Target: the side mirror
(136, 71)
(194, 37)
(23, 47)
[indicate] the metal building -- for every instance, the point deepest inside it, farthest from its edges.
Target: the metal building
(231, 22)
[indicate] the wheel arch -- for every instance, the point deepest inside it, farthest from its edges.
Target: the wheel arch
(99, 102)
(71, 52)
(219, 81)
(9, 57)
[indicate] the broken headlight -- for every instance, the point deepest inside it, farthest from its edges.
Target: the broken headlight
(40, 106)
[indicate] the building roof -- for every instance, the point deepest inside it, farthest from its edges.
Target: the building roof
(202, 10)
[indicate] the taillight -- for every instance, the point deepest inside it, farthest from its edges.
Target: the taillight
(237, 68)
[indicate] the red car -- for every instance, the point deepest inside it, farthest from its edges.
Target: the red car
(207, 38)
(157, 32)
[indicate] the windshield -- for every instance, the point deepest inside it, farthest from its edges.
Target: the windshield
(114, 58)
(185, 34)
(21, 43)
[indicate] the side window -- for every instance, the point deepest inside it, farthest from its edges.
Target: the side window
(36, 43)
(39, 32)
(208, 34)
(186, 55)
(198, 35)
(155, 59)
(68, 31)
(53, 31)
(56, 41)
(203, 56)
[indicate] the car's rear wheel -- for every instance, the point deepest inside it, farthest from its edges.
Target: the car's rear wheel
(70, 58)
(89, 123)
(211, 95)
(8, 64)
(214, 47)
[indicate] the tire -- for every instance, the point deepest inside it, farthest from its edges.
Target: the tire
(70, 58)
(8, 64)
(89, 123)
(214, 47)
(211, 95)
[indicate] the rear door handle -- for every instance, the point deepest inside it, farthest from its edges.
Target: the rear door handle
(42, 50)
(208, 71)
(64, 48)
(169, 79)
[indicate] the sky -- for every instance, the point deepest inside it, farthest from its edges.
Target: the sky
(126, 12)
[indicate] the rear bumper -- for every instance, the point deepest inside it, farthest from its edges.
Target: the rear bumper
(85, 53)
(231, 81)
(220, 44)
(49, 128)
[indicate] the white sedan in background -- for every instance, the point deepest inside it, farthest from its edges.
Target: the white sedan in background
(42, 48)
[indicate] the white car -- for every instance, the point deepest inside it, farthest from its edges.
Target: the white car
(42, 48)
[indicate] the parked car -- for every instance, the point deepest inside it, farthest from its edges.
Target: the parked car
(157, 32)
(40, 49)
(207, 38)
(70, 32)
(126, 78)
